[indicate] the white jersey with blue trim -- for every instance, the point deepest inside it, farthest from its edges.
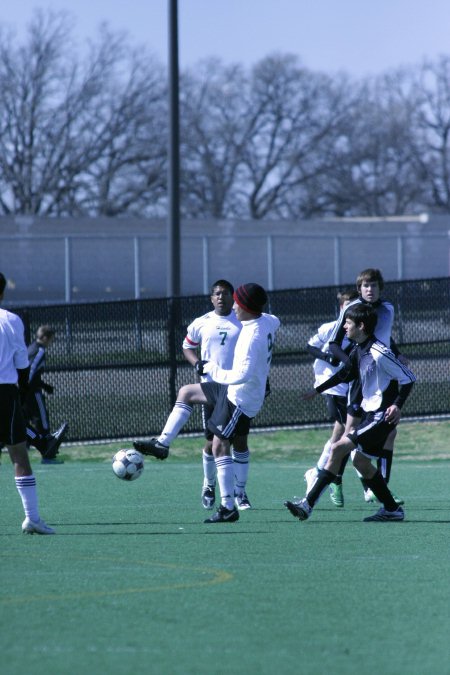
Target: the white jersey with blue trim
(378, 367)
(384, 379)
(385, 321)
(322, 369)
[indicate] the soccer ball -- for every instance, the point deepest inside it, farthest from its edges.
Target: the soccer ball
(128, 464)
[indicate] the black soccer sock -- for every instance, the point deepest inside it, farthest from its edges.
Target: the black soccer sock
(381, 491)
(340, 473)
(364, 483)
(324, 478)
(36, 440)
(385, 464)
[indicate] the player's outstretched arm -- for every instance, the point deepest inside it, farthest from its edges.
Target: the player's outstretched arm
(308, 395)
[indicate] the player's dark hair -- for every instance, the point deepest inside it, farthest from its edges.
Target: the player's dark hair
(224, 283)
(370, 274)
(45, 332)
(2, 283)
(346, 295)
(365, 314)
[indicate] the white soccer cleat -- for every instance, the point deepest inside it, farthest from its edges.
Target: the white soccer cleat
(39, 527)
(369, 497)
(310, 478)
(242, 501)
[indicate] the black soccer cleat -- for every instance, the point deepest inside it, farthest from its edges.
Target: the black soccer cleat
(299, 508)
(382, 515)
(224, 515)
(53, 442)
(61, 431)
(153, 448)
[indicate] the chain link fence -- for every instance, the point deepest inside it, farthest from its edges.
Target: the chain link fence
(117, 366)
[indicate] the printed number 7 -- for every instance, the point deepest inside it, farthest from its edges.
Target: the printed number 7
(224, 334)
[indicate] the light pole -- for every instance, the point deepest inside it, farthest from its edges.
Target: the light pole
(173, 225)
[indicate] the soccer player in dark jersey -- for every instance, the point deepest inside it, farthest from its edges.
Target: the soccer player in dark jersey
(385, 385)
(35, 408)
(369, 284)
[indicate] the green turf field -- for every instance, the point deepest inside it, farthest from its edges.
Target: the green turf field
(135, 582)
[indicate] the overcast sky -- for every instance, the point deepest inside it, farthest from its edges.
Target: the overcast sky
(360, 37)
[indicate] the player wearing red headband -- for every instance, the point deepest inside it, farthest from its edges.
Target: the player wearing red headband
(236, 395)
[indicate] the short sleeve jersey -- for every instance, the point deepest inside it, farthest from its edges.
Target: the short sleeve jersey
(323, 370)
(385, 320)
(248, 375)
(13, 351)
(216, 336)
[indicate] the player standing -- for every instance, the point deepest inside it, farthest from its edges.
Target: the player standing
(215, 334)
(325, 366)
(14, 370)
(38, 429)
(236, 395)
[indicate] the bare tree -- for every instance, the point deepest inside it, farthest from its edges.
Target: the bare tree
(215, 129)
(87, 135)
(299, 115)
(126, 128)
(29, 76)
(79, 137)
(430, 92)
(374, 171)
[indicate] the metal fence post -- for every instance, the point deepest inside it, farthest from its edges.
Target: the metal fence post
(400, 257)
(270, 285)
(137, 270)
(205, 254)
(173, 313)
(337, 261)
(67, 270)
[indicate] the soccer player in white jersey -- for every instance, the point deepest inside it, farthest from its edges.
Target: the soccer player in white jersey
(236, 395)
(14, 370)
(213, 337)
(326, 365)
(369, 284)
(385, 384)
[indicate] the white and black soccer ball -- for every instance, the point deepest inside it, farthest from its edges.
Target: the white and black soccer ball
(128, 464)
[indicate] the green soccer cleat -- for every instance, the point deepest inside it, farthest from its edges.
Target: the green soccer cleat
(336, 494)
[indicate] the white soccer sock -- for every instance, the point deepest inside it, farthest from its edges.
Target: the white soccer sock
(225, 478)
(209, 469)
(26, 487)
(180, 414)
(241, 465)
(352, 456)
(323, 459)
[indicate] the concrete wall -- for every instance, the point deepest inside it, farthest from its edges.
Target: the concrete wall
(76, 260)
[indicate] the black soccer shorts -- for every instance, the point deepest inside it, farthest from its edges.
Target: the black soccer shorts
(337, 407)
(12, 421)
(226, 419)
(371, 433)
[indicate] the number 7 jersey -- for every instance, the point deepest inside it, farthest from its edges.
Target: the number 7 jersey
(216, 336)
